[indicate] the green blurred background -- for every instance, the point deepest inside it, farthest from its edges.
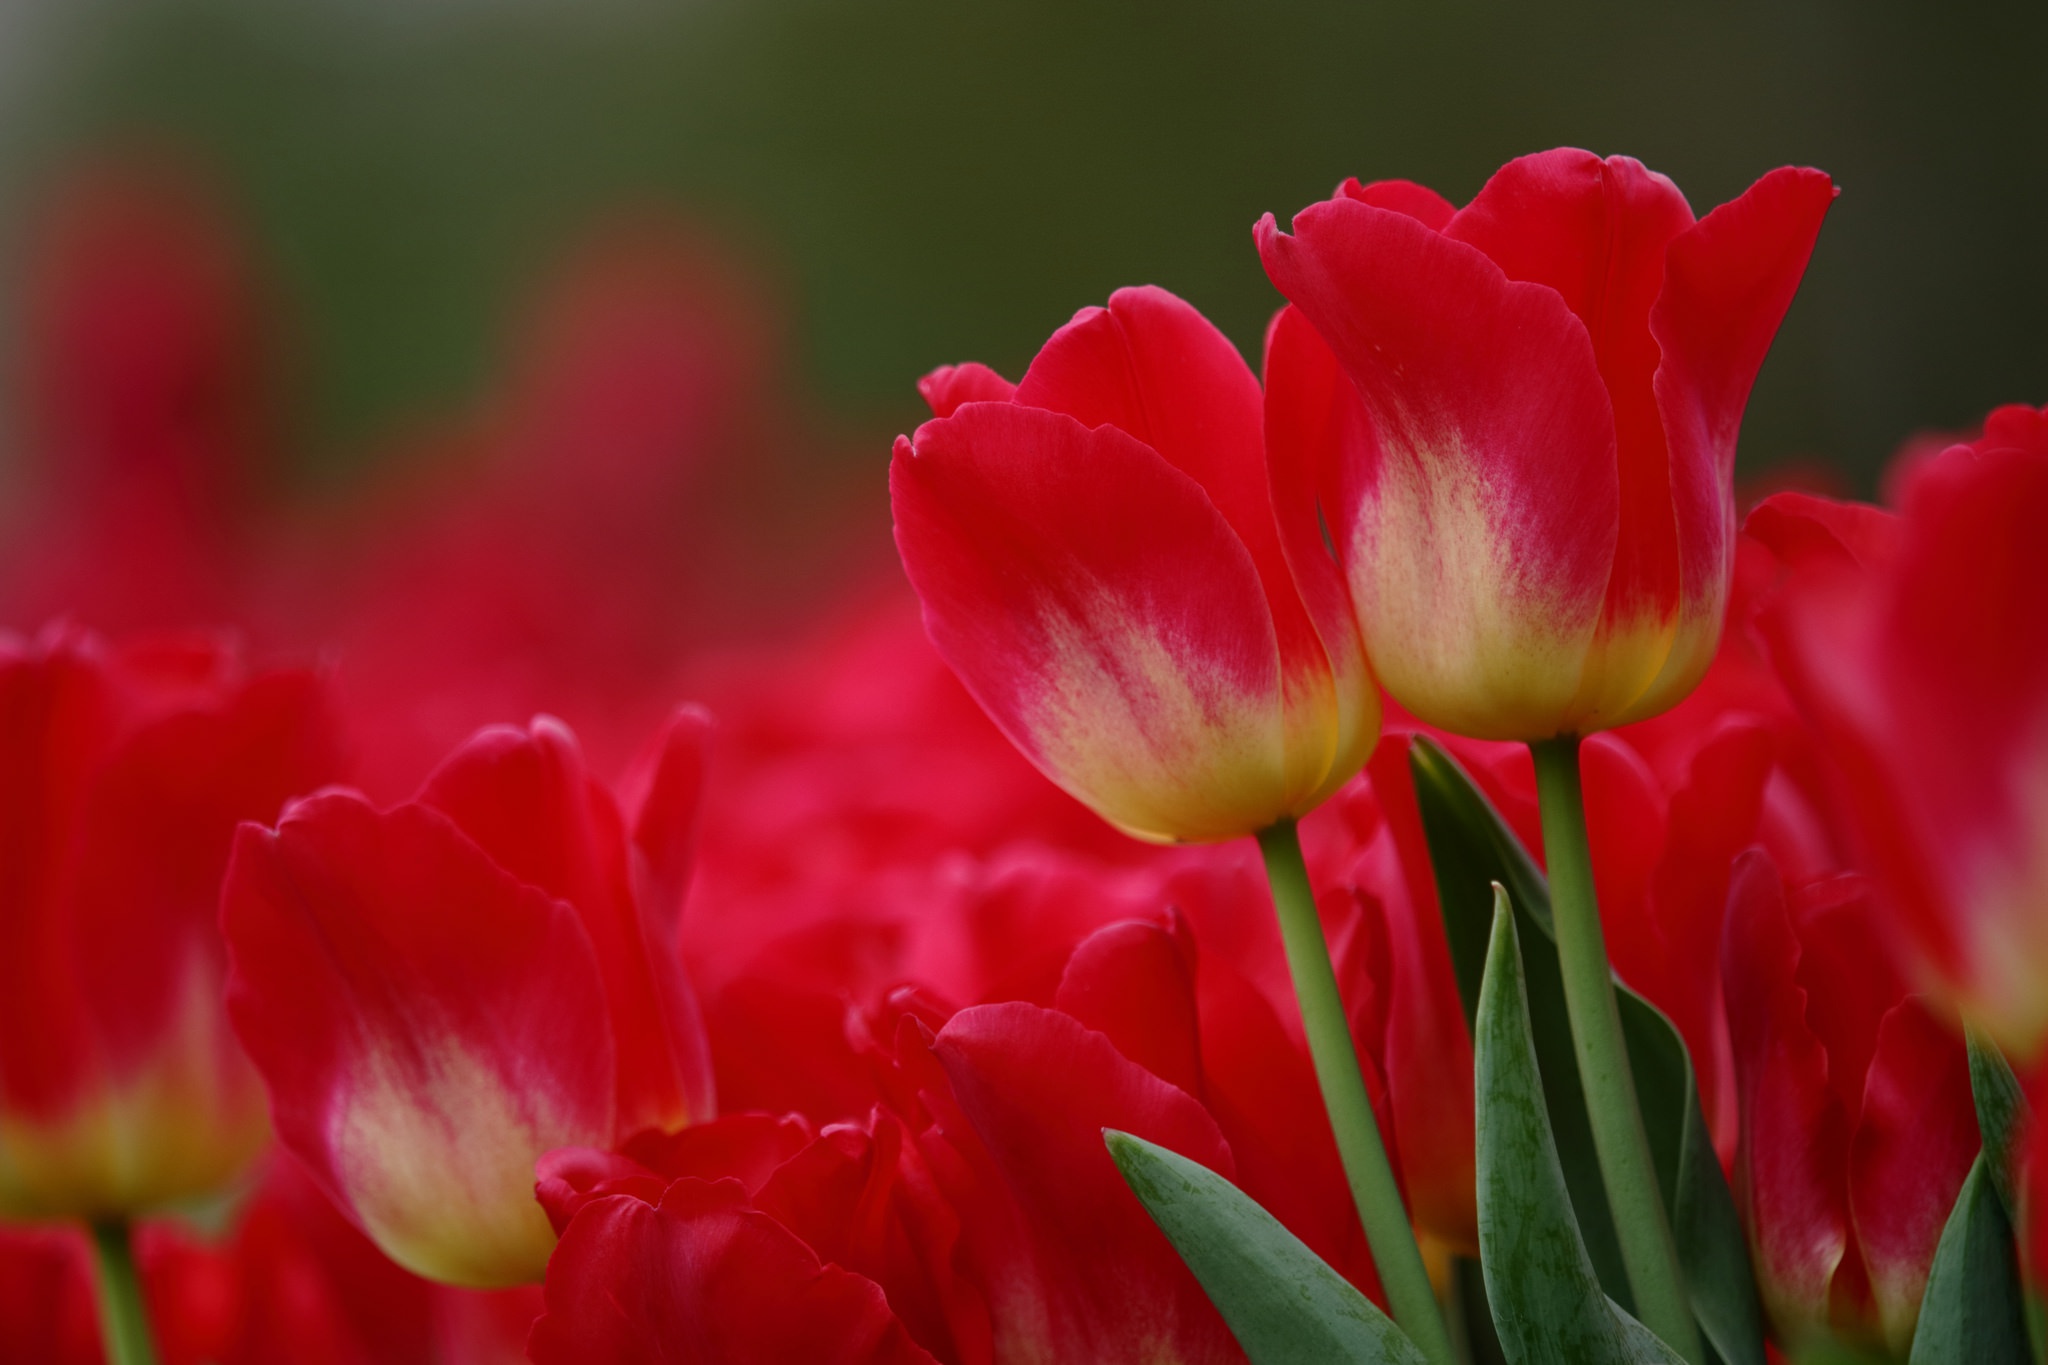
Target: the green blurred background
(936, 181)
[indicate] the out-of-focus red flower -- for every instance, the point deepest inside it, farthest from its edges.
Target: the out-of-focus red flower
(288, 1280)
(1533, 506)
(699, 1275)
(144, 400)
(628, 495)
(47, 1313)
(866, 825)
(439, 992)
(1857, 1123)
(123, 773)
(1100, 562)
(1919, 650)
(974, 1210)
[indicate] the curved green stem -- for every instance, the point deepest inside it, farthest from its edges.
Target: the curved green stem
(1387, 1229)
(1648, 1251)
(124, 1322)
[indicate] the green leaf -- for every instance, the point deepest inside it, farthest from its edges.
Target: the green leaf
(1547, 1301)
(1471, 847)
(1972, 1311)
(2002, 1111)
(1285, 1305)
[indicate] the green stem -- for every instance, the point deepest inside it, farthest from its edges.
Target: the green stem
(1387, 1230)
(1647, 1249)
(124, 1322)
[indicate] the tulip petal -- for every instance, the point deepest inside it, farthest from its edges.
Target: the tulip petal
(1596, 232)
(1790, 1170)
(862, 1200)
(1134, 982)
(526, 797)
(1964, 637)
(664, 797)
(1428, 1047)
(158, 828)
(1419, 202)
(122, 778)
(947, 387)
(1727, 283)
(704, 1277)
(1850, 977)
(1133, 660)
(1075, 1268)
(1913, 1147)
(428, 1026)
(1315, 421)
(742, 1147)
(56, 718)
(1261, 1088)
(1158, 371)
(1803, 531)
(1479, 533)
(1713, 817)
(1953, 816)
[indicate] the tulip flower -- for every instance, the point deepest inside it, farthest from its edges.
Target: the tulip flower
(438, 993)
(143, 359)
(1531, 497)
(123, 773)
(1103, 563)
(1100, 563)
(1857, 1124)
(975, 1215)
(708, 1278)
(1534, 512)
(1922, 663)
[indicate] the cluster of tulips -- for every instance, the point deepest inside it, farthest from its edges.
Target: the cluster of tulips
(1490, 900)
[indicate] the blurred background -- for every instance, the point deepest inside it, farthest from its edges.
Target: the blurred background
(907, 182)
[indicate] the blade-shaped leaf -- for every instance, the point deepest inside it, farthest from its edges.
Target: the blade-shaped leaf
(1971, 1313)
(1470, 848)
(2002, 1112)
(1284, 1304)
(1547, 1301)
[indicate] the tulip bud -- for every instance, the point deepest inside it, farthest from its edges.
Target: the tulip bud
(1100, 563)
(123, 773)
(1534, 510)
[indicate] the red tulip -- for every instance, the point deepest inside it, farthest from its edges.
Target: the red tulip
(975, 1211)
(440, 992)
(143, 357)
(701, 1276)
(1100, 563)
(1857, 1124)
(1919, 650)
(123, 773)
(1532, 501)
(573, 540)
